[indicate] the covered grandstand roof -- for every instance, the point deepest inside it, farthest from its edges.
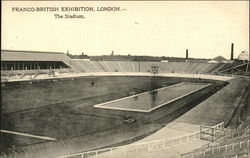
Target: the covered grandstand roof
(13, 55)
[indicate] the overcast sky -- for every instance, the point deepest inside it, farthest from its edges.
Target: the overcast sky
(159, 28)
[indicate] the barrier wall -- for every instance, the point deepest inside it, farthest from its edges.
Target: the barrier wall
(134, 150)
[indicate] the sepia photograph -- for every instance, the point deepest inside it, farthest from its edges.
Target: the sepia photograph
(125, 79)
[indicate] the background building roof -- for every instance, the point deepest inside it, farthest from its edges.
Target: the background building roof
(243, 56)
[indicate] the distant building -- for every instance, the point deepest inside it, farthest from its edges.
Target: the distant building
(219, 58)
(244, 56)
(164, 61)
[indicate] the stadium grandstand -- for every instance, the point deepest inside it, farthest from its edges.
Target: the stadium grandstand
(23, 63)
(20, 64)
(188, 67)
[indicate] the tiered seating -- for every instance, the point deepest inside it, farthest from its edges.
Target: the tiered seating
(127, 66)
(108, 66)
(177, 67)
(227, 66)
(203, 69)
(136, 66)
(145, 66)
(192, 69)
(216, 68)
(165, 67)
(88, 66)
(187, 67)
(142, 66)
(98, 67)
(114, 66)
(78, 67)
(197, 69)
(101, 66)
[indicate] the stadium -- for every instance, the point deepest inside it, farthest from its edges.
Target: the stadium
(53, 105)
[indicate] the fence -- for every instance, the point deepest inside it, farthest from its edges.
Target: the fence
(229, 136)
(234, 146)
(134, 149)
(239, 155)
(210, 133)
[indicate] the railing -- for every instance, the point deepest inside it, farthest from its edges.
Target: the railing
(239, 145)
(134, 149)
(230, 135)
(236, 134)
(239, 155)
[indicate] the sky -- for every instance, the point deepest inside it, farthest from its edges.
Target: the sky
(159, 28)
